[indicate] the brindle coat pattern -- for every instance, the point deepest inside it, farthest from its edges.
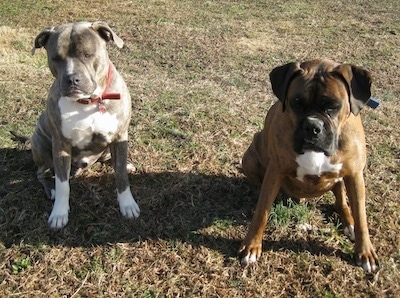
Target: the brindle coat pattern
(313, 142)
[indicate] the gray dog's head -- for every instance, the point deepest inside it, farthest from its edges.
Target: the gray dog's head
(77, 56)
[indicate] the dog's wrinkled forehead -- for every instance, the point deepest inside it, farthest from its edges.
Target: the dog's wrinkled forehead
(74, 39)
(318, 66)
(317, 73)
(318, 80)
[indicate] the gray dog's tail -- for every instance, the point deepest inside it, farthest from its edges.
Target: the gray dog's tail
(20, 138)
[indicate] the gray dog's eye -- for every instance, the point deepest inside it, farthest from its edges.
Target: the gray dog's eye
(56, 58)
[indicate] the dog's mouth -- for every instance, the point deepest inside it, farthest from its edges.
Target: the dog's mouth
(78, 95)
(73, 92)
(327, 147)
(76, 92)
(310, 146)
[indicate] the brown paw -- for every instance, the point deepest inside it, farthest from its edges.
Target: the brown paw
(249, 253)
(367, 258)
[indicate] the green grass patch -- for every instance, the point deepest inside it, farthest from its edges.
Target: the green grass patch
(20, 264)
(288, 212)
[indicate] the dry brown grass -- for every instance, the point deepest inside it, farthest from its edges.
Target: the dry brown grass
(198, 75)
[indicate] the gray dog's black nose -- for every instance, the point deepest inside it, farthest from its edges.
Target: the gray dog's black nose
(73, 79)
(312, 127)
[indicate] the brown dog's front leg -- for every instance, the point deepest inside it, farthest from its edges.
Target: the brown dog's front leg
(251, 247)
(342, 208)
(364, 252)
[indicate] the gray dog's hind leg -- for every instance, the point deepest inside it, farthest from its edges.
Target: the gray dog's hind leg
(47, 180)
(44, 174)
(42, 156)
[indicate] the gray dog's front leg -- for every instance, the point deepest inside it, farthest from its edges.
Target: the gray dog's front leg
(62, 167)
(127, 204)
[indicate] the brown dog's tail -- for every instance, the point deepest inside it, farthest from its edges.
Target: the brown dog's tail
(20, 138)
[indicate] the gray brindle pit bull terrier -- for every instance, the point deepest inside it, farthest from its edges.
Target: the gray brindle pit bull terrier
(86, 117)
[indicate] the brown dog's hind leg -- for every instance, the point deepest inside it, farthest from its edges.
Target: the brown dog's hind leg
(251, 166)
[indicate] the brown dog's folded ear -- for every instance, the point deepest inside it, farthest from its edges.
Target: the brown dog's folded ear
(359, 83)
(42, 38)
(107, 33)
(281, 77)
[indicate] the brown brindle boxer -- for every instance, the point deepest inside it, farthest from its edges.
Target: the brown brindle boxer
(313, 142)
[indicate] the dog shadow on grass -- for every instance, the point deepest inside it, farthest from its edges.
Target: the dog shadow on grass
(213, 211)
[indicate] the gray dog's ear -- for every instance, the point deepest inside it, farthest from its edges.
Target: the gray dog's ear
(359, 83)
(42, 38)
(107, 33)
(281, 77)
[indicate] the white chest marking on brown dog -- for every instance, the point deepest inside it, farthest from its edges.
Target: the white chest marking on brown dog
(315, 163)
(79, 122)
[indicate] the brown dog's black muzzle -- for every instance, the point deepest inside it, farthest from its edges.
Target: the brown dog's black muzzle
(312, 128)
(313, 134)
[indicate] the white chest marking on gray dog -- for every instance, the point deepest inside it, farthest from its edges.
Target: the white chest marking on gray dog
(79, 122)
(315, 163)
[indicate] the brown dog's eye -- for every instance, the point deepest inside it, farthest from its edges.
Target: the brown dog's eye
(331, 111)
(330, 107)
(297, 103)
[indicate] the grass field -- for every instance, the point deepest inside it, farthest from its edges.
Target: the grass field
(198, 75)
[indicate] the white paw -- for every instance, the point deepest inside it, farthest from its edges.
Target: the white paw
(130, 168)
(127, 204)
(349, 232)
(367, 266)
(249, 259)
(58, 217)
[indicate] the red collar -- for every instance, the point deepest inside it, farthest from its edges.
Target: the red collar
(104, 95)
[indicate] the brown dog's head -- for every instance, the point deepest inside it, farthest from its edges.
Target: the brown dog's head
(319, 96)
